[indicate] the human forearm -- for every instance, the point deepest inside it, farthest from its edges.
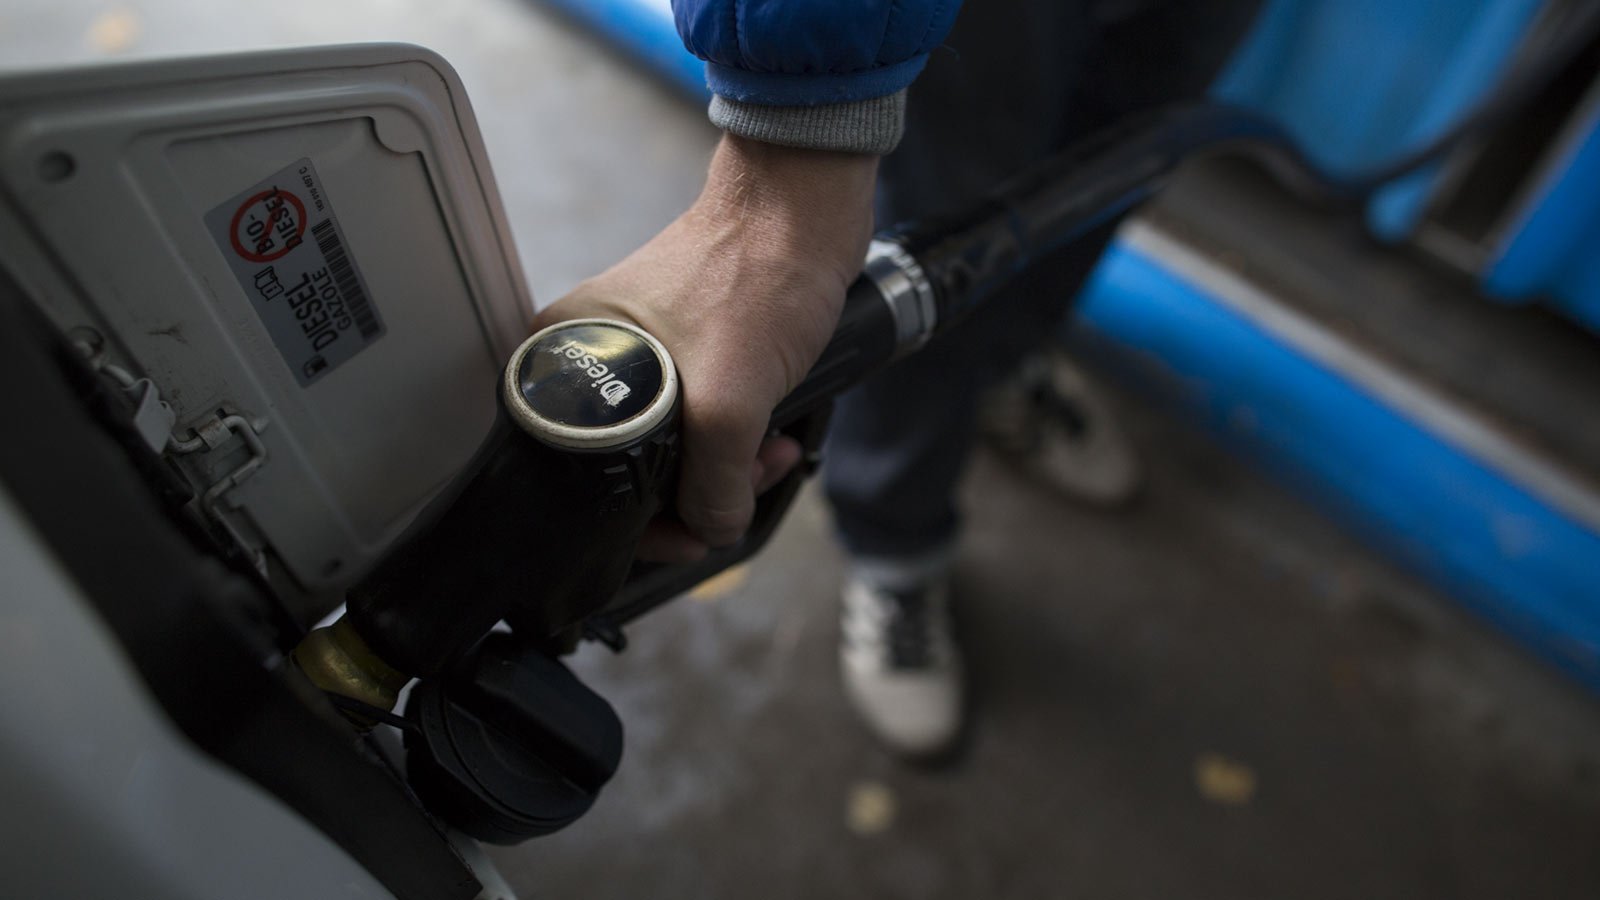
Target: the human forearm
(785, 205)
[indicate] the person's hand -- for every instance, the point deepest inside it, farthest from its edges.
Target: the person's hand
(744, 289)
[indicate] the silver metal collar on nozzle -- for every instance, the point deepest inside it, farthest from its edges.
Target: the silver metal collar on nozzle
(907, 291)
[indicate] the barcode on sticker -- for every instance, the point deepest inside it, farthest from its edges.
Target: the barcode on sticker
(344, 275)
(283, 244)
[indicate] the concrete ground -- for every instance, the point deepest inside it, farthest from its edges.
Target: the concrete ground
(1215, 694)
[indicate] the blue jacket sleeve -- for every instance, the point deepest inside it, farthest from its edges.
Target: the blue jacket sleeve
(812, 52)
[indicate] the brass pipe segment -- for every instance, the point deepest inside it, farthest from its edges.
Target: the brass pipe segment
(337, 660)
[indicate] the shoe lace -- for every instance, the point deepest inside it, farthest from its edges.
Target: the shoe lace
(1045, 400)
(909, 632)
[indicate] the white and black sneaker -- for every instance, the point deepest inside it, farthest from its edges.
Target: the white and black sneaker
(1054, 421)
(901, 667)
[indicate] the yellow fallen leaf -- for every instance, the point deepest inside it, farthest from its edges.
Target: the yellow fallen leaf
(721, 584)
(1224, 781)
(114, 31)
(870, 808)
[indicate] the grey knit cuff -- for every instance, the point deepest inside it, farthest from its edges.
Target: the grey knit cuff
(866, 126)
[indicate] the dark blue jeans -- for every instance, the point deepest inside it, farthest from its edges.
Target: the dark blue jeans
(1018, 81)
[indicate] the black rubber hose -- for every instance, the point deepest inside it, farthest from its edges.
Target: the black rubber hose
(967, 256)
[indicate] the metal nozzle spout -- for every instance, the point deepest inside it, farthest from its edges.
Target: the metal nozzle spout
(337, 660)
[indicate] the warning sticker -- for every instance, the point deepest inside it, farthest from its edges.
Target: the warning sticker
(285, 247)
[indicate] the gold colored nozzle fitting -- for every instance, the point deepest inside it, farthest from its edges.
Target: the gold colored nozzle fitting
(337, 660)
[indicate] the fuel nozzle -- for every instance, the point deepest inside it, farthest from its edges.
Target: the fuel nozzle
(541, 524)
(539, 529)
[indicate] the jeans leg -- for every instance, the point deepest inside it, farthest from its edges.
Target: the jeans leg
(1018, 81)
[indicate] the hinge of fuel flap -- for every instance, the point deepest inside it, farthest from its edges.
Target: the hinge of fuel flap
(154, 420)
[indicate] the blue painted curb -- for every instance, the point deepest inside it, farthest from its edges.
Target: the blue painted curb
(643, 29)
(1515, 557)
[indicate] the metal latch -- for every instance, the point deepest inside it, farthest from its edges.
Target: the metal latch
(212, 434)
(153, 420)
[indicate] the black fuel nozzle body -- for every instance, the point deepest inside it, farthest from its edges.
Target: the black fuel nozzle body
(542, 522)
(540, 530)
(540, 527)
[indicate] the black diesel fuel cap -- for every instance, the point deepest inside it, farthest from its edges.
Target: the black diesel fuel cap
(590, 384)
